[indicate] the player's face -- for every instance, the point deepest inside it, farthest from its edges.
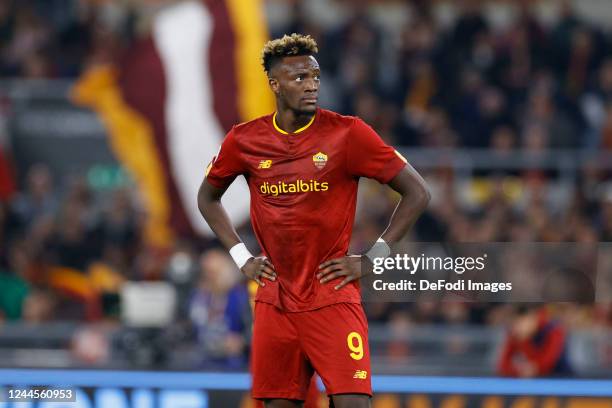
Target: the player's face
(295, 81)
(525, 326)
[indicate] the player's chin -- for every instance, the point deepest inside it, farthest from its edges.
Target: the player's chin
(309, 107)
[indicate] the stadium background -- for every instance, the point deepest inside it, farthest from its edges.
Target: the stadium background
(111, 110)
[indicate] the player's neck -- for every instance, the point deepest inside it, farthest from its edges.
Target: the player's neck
(290, 121)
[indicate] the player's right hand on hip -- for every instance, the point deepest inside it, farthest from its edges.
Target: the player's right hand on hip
(258, 268)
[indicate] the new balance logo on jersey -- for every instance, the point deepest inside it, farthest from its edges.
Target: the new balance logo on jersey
(265, 164)
(361, 374)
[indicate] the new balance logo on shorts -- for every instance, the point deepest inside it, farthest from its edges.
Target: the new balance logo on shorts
(361, 374)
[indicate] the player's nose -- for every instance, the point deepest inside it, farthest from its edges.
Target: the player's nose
(311, 85)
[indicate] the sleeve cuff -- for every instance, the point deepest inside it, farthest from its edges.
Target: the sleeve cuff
(390, 170)
(215, 182)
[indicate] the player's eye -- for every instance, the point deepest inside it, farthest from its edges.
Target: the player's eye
(299, 78)
(317, 77)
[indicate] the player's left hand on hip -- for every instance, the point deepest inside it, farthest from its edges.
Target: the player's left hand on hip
(348, 266)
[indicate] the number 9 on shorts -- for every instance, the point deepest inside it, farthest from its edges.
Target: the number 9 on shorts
(355, 345)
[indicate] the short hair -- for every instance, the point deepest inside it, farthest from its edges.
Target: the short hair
(290, 45)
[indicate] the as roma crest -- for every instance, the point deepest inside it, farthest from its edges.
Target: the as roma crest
(319, 160)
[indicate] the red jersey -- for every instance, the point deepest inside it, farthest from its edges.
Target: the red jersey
(546, 350)
(303, 189)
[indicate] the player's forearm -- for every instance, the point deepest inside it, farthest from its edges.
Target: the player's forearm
(219, 221)
(415, 198)
(405, 215)
(209, 204)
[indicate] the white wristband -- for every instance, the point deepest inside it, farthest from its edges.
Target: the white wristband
(379, 250)
(240, 254)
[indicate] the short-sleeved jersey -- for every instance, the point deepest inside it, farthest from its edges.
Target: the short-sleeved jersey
(303, 190)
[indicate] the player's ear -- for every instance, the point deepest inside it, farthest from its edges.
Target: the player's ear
(274, 85)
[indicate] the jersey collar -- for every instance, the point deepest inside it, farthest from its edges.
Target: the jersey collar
(303, 128)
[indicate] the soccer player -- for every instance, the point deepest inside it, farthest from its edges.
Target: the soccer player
(303, 164)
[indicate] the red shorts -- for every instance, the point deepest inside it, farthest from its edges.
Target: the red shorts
(288, 347)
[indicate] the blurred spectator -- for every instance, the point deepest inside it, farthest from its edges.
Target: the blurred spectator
(470, 24)
(219, 309)
(90, 346)
(28, 37)
(606, 217)
(400, 325)
(7, 182)
(13, 292)
(38, 198)
(535, 346)
(4, 231)
(39, 306)
(595, 105)
(558, 131)
(71, 246)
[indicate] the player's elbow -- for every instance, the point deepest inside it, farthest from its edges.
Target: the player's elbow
(427, 195)
(205, 198)
(412, 187)
(202, 201)
(421, 194)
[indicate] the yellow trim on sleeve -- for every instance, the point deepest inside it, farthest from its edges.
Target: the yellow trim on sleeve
(401, 156)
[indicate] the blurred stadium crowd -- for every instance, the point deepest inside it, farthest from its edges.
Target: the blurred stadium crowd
(66, 251)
